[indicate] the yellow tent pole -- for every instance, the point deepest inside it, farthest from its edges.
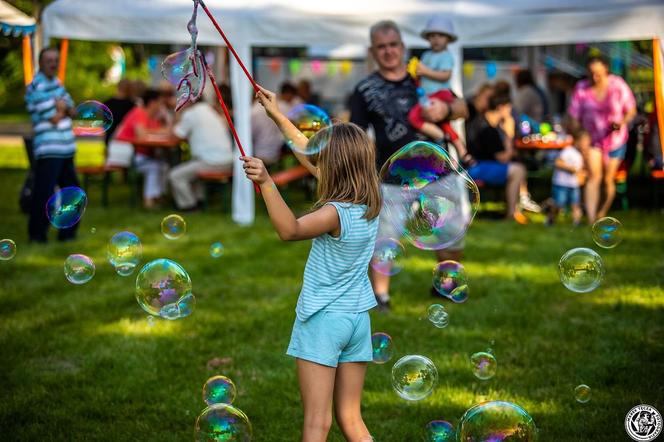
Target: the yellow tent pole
(27, 60)
(659, 93)
(64, 49)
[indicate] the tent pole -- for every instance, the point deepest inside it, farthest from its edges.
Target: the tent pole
(659, 92)
(62, 69)
(27, 60)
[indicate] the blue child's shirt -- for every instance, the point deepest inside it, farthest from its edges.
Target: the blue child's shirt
(438, 61)
(336, 274)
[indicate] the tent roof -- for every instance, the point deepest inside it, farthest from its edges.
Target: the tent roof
(14, 22)
(346, 22)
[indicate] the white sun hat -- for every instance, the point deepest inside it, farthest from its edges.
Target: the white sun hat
(440, 25)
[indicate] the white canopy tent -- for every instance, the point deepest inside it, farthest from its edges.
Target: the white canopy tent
(343, 26)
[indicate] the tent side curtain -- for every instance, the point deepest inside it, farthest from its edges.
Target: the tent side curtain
(14, 22)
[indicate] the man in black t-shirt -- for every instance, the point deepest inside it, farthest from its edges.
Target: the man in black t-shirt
(494, 151)
(382, 101)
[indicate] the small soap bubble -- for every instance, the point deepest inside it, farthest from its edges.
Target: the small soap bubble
(219, 390)
(222, 422)
(66, 207)
(150, 320)
(438, 316)
(79, 269)
(450, 280)
(607, 232)
(92, 119)
(414, 377)
(7, 249)
(310, 119)
(582, 393)
(173, 226)
(216, 249)
(93, 230)
(496, 421)
(439, 431)
(484, 365)
(124, 252)
(163, 288)
(382, 347)
(581, 270)
(388, 256)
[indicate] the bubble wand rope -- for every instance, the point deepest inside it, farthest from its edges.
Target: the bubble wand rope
(226, 113)
(228, 44)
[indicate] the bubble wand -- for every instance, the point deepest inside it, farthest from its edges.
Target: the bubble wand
(227, 114)
(228, 43)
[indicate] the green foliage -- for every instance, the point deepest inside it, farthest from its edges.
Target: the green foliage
(80, 363)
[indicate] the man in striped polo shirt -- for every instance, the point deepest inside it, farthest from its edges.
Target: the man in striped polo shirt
(51, 109)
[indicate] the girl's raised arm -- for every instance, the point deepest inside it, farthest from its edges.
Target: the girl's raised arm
(269, 101)
(289, 228)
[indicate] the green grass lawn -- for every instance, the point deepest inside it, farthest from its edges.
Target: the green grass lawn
(80, 363)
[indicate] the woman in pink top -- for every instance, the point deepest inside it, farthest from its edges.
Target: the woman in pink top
(603, 105)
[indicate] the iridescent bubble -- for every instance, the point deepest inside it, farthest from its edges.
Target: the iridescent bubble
(219, 390)
(222, 423)
(92, 119)
(177, 65)
(216, 249)
(438, 316)
(185, 70)
(66, 207)
(439, 431)
(124, 252)
(7, 249)
(382, 347)
(150, 320)
(414, 377)
(93, 230)
(607, 232)
(436, 199)
(484, 365)
(581, 270)
(173, 226)
(79, 269)
(163, 288)
(310, 119)
(387, 256)
(496, 421)
(582, 393)
(450, 280)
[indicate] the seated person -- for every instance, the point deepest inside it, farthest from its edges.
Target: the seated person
(266, 137)
(141, 121)
(211, 150)
(494, 152)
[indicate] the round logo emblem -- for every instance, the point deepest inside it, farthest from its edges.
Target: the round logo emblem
(643, 423)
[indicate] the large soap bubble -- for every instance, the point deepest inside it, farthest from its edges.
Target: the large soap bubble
(439, 431)
(414, 377)
(222, 423)
(581, 270)
(496, 421)
(92, 119)
(427, 196)
(310, 120)
(163, 288)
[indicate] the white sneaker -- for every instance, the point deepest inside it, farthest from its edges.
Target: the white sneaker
(527, 204)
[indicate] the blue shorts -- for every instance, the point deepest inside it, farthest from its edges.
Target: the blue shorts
(330, 338)
(619, 152)
(563, 195)
(490, 172)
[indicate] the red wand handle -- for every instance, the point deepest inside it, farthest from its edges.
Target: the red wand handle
(229, 45)
(226, 114)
